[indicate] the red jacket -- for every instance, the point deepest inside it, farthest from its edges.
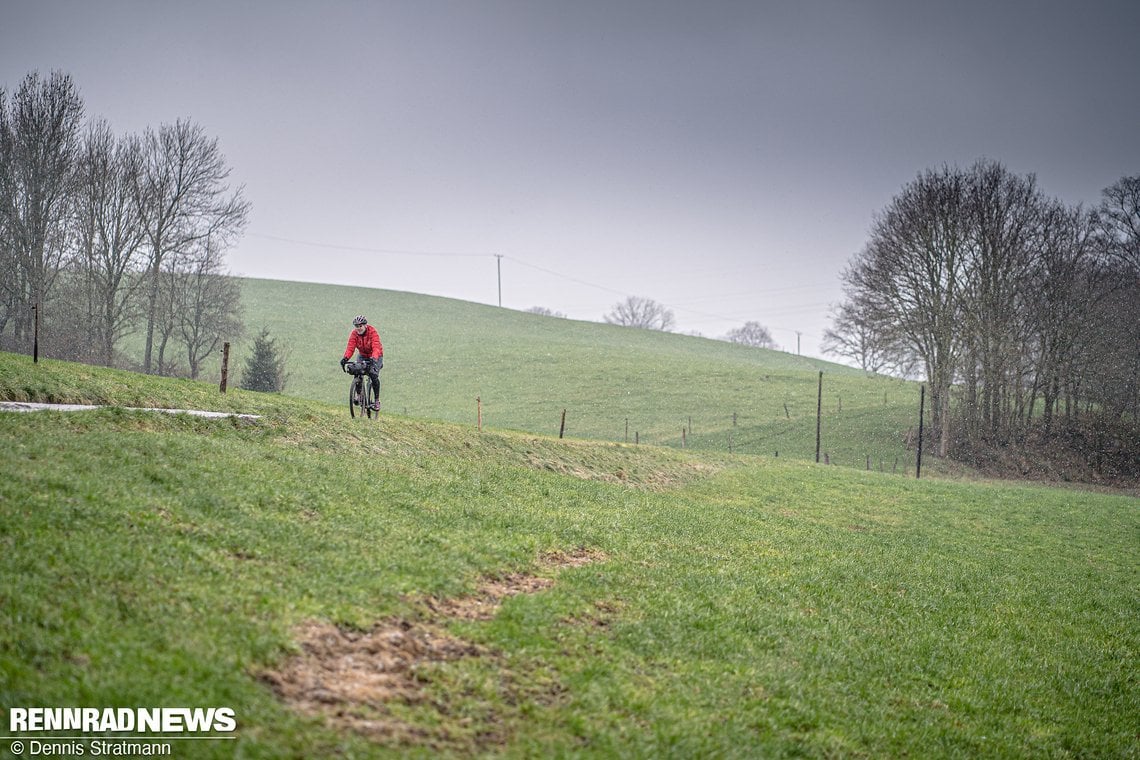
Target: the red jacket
(369, 344)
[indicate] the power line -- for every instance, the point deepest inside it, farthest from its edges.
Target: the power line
(706, 315)
(568, 278)
(362, 249)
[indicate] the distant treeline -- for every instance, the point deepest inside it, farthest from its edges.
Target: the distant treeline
(105, 235)
(1018, 309)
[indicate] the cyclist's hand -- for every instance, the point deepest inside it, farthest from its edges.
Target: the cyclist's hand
(379, 362)
(343, 362)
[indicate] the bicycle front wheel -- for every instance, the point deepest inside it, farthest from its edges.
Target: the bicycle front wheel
(355, 398)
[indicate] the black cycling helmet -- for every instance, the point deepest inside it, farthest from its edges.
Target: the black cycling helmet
(359, 320)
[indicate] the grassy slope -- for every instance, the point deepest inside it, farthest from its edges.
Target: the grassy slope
(441, 354)
(755, 607)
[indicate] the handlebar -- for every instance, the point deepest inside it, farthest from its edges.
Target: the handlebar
(358, 367)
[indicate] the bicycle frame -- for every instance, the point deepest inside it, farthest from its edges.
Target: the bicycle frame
(361, 395)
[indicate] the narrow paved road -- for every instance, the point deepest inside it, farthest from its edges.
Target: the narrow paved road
(27, 406)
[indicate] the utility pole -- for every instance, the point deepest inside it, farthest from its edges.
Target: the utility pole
(499, 266)
(798, 334)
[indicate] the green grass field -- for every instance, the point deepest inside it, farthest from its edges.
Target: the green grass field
(736, 606)
(442, 354)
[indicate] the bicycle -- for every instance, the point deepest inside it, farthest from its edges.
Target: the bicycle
(361, 396)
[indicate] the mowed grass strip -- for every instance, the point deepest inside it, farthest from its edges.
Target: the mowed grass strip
(744, 607)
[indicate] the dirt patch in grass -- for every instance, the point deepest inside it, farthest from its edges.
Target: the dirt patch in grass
(484, 603)
(349, 677)
(560, 560)
(601, 618)
(354, 679)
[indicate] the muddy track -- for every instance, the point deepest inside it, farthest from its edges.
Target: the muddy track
(350, 677)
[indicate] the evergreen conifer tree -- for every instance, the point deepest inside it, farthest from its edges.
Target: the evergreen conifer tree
(265, 367)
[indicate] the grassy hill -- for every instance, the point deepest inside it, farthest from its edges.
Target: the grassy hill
(442, 354)
(416, 588)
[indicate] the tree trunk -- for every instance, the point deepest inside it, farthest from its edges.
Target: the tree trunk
(151, 313)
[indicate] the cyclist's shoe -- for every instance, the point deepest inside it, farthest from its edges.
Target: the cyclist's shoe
(375, 406)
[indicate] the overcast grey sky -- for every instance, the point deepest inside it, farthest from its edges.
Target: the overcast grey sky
(724, 158)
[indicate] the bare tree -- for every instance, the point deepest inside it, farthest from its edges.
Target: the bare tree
(39, 142)
(209, 310)
(1108, 367)
(1066, 282)
(908, 280)
(8, 261)
(646, 313)
(1003, 214)
(751, 334)
(167, 298)
(110, 236)
(854, 336)
(1009, 296)
(1118, 220)
(185, 199)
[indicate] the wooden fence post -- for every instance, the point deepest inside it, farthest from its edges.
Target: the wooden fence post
(36, 334)
(921, 416)
(562, 429)
(225, 367)
(479, 412)
(818, 416)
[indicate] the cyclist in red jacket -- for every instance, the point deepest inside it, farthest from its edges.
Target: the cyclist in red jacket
(366, 340)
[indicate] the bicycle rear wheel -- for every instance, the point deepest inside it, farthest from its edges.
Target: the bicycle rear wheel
(370, 399)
